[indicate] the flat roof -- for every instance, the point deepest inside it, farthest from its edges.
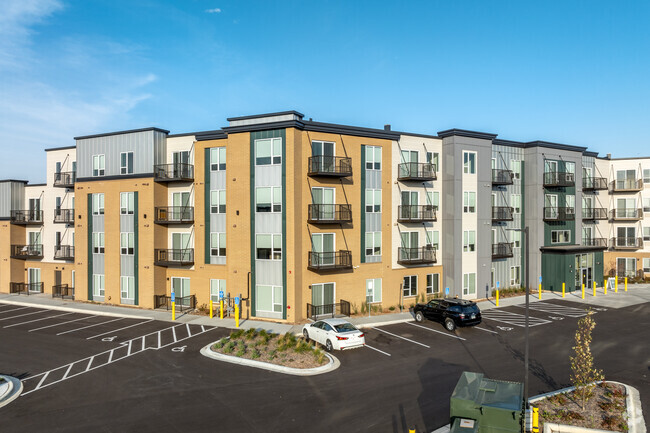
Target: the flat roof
(130, 131)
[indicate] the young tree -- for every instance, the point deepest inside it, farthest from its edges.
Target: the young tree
(583, 372)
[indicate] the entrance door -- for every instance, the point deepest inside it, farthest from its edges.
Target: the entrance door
(181, 288)
(34, 279)
(324, 203)
(57, 278)
(322, 295)
(180, 247)
(323, 245)
(325, 151)
(409, 204)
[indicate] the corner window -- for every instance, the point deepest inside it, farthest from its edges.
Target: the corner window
(218, 158)
(373, 158)
(99, 165)
(268, 151)
(373, 200)
(469, 162)
(126, 163)
(373, 243)
(218, 201)
(268, 199)
(127, 204)
(410, 285)
(269, 247)
(469, 202)
(218, 244)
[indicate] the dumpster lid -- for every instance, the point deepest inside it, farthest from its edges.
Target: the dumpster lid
(489, 392)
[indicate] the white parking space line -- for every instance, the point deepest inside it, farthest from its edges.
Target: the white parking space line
(6, 305)
(26, 314)
(120, 329)
(512, 318)
(36, 320)
(59, 324)
(90, 326)
(380, 351)
(562, 310)
(433, 330)
(403, 338)
(486, 330)
(13, 309)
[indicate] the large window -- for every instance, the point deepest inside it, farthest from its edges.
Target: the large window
(410, 285)
(469, 202)
(373, 243)
(433, 239)
(127, 288)
(469, 162)
(433, 283)
(469, 241)
(269, 299)
(515, 200)
(469, 284)
(98, 285)
(126, 163)
(217, 286)
(268, 151)
(515, 166)
(626, 267)
(218, 244)
(218, 201)
(98, 243)
(218, 158)
(433, 199)
(99, 165)
(373, 290)
(514, 276)
(98, 203)
(373, 158)
(560, 236)
(269, 247)
(373, 200)
(268, 199)
(127, 203)
(126, 244)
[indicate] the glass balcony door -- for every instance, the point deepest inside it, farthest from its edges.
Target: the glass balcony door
(325, 151)
(410, 201)
(324, 199)
(323, 247)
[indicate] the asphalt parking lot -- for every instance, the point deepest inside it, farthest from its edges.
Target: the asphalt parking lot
(82, 371)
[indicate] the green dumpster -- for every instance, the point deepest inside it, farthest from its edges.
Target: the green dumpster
(495, 406)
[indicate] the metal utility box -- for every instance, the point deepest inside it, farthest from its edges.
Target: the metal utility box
(496, 406)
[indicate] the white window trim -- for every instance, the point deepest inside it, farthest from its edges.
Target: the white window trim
(374, 235)
(374, 290)
(434, 277)
(125, 169)
(101, 165)
(467, 245)
(218, 247)
(466, 168)
(466, 291)
(218, 163)
(411, 295)
(273, 235)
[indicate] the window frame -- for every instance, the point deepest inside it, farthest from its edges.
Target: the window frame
(126, 164)
(469, 162)
(374, 164)
(375, 207)
(130, 203)
(468, 246)
(97, 203)
(515, 282)
(130, 285)
(467, 280)
(375, 251)
(375, 299)
(219, 283)
(467, 202)
(98, 239)
(274, 206)
(100, 160)
(274, 158)
(515, 166)
(99, 289)
(275, 254)
(430, 283)
(411, 290)
(557, 233)
(216, 163)
(127, 243)
(219, 249)
(218, 208)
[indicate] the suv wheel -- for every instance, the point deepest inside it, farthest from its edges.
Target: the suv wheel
(418, 316)
(450, 325)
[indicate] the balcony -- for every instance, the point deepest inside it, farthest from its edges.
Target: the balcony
(62, 290)
(626, 185)
(330, 260)
(594, 213)
(502, 250)
(626, 214)
(329, 213)
(622, 243)
(502, 177)
(25, 252)
(594, 242)
(65, 179)
(174, 257)
(416, 256)
(559, 214)
(178, 172)
(27, 217)
(174, 215)
(331, 166)
(502, 213)
(25, 288)
(64, 216)
(63, 252)
(420, 171)
(557, 179)
(416, 213)
(594, 183)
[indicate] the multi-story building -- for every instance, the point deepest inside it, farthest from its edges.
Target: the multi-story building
(300, 218)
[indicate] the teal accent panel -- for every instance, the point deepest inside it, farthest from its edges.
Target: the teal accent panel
(136, 278)
(90, 247)
(284, 224)
(557, 268)
(523, 213)
(363, 204)
(206, 203)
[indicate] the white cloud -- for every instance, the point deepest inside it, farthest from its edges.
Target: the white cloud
(213, 11)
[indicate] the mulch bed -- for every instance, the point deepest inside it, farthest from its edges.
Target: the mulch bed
(606, 410)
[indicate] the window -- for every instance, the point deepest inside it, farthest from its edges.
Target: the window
(560, 236)
(469, 241)
(469, 162)
(373, 290)
(127, 203)
(646, 233)
(515, 166)
(469, 284)
(268, 199)
(217, 286)
(126, 163)
(268, 151)
(410, 285)
(570, 167)
(218, 158)
(218, 201)
(646, 175)
(269, 247)
(98, 203)
(433, 239)
(373, 243)
(516, 239)
(646, 265)
(434, 158)
(126, 243)
(433, 283)
(99, 165)
(373, 158)
(626, 267)
(218, 244)
(373, 200)
(570, 201)
(514, 276)
(98, 285)
(469, 202)
(433, 199)
(98, 243)
(646, 205)
(269, 298)
(127, 287)
(515, 199)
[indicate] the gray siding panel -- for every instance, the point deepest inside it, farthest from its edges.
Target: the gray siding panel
(268, 175)
(373, 179)
(127, 266)
(268, 272)
(268, 223)
(5, 199)
(98, 264)
(373, 222)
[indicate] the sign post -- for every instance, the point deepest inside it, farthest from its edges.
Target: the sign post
(173, 306)
(237, 311)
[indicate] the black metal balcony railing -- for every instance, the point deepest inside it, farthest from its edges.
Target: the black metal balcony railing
(65, 179)
(502, 250)
(27, 217)
(174, 257)
(34, 251)
(626, 243)
(330, 260)
(64, 252)
(422, 171)
(626, 185)
(416, 256)
(173, 172)
(557, 179)
(182, 303)
(174, 215)
(559, 214)
(502, 213)
(65, 216)
(594, 183)
(329, 213)
(62, 291)
(626, 214)
(502, 177)
(594, 242)
(334, 166)
(416, 213)
(333, 310)
(25, 288)
(594, 213)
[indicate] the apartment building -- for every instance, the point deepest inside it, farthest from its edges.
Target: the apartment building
(300, 218)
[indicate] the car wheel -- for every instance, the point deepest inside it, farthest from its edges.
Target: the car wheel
(419, 317)
(328, 346)
(305, 334)
(450, 325)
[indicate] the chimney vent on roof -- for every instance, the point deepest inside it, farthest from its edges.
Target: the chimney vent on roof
(386, 127)
(609, 156)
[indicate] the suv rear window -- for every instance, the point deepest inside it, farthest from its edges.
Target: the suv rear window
(471, 309)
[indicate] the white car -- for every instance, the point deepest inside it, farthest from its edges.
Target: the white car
(336, 334)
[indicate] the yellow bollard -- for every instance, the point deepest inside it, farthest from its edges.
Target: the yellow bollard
(237, 315)
(497, 297)
(594, 289)
(210, 308)
(563, 289)
(626, 284)
(535, 420)
(583, 290)
(173, 310)
(605, 286)
(411, 430)
(540, 291)
(221, 309)
(616, 284)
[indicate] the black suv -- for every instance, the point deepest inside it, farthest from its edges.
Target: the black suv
(451, 312)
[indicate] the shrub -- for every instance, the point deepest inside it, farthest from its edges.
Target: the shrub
(219, 344)
(263, 333)
(391, 308)
(255, 354)
(228, 348)
(240, 352)
(320, 358)
(251, 333)
(236, 334)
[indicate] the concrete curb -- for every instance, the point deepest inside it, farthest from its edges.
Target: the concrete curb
(73, 310)
(331, 366)
(14, 390)
(388, 322)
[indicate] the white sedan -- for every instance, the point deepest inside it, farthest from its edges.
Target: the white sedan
(334, 334)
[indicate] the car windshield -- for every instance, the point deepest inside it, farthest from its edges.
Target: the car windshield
(345, 327)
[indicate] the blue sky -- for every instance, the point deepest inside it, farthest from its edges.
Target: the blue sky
(574, 72)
